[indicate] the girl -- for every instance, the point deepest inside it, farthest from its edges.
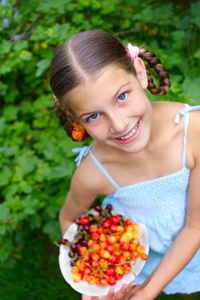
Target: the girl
(145, 156)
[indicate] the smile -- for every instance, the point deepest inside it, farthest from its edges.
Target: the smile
(130, 136)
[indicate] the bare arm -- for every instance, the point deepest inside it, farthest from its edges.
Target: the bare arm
(88, 181)
(81, 194)
(78, 199)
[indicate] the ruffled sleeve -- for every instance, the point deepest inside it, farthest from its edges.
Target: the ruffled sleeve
(82, 152)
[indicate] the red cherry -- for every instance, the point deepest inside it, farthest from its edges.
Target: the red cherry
(111, 280)
(114, 220)
(110, 271)
(107, 223)
(113, 259)
(144, 256)
(84, 221)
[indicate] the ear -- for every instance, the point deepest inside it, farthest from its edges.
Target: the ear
(141, 72)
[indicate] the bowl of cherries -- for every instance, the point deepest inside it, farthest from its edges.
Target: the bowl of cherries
(102, 249)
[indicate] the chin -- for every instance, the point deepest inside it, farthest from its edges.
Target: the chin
(134, 147)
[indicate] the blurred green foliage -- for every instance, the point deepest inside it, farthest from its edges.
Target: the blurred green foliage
(36, 162)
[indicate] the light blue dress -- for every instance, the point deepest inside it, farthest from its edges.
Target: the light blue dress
(161, 205)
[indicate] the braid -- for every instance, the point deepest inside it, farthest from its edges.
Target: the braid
(163, 76)
(66, 121)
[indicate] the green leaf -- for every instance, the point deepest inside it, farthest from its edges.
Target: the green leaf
(3, 88)
(9, 191)
(51, 212)
(30, 205)
(197, 54)
(25, 55)
(9, 151)
(20, 45)
(191, 90)
(11, 113)
(43, 172)
(25, 187)
(5, 47)
(2, 124)
(52, 228)
(35, 221)
(15, 203)
(5, 175)
(61, 171)
(5, 67)
(27, 162)
(42, 66)
(5, 213)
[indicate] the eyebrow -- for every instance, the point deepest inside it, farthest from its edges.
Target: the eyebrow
(114, 96)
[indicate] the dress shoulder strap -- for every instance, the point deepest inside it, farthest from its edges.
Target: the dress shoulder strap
(185, 112)
(99, 165)
(83, 152)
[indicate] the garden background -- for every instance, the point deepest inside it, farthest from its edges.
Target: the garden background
(36, 162)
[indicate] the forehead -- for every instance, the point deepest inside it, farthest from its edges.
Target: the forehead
(98, 88)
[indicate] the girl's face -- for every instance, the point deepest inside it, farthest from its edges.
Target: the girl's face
(114, 109)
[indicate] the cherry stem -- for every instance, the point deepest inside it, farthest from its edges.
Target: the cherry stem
(56, 243)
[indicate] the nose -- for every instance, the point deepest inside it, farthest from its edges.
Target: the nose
(118, 121)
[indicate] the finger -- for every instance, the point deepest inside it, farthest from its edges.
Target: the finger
(121, 292)
(124, 291)
(109, 296)
(130, 286)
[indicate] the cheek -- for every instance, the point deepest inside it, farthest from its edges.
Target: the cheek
(99, 133)
(144, 106)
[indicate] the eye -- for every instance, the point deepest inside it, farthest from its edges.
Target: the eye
(93, 117)
(122, 97)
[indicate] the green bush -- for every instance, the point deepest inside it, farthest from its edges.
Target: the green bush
(36, 161)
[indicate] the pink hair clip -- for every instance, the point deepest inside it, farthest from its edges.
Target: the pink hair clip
(133, 51)
(54, 97)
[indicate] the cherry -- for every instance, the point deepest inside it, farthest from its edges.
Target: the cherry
(72, 263)
(64, 241)
(84, 243)
(79, 236)
(86, 227)
(71, 254)
(73, 247)
(109, 207)
(80, 228)
(90, 217)
(98, 207)
(78, 247)
(78, 222)
(94, 222)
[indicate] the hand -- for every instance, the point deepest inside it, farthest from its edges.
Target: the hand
(137, 293)
(124, 291)
(109, 296)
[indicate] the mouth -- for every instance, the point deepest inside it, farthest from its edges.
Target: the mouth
(131, 136)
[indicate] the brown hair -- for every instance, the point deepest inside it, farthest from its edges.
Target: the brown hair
(84, 55)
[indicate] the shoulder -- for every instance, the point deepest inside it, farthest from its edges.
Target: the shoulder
(167, 108)
(164, 114)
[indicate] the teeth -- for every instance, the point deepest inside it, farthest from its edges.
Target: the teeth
(130, 133)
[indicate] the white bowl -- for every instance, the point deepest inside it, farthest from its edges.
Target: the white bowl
(84, 287)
